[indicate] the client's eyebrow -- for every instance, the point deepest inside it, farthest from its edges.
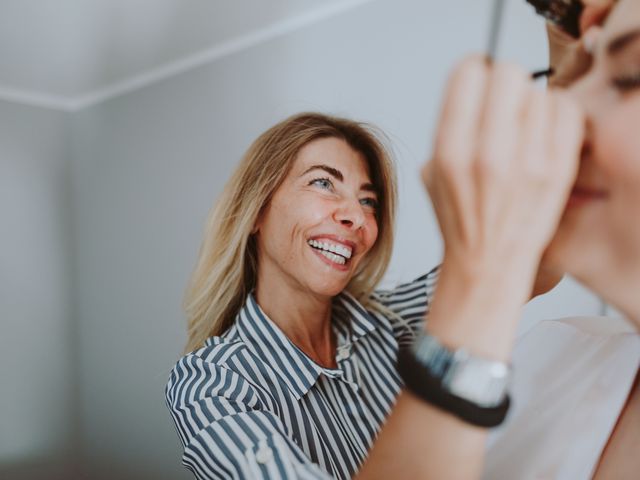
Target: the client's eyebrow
(621, 42)
(337, 174)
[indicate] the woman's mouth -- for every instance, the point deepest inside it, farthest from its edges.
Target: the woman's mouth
(336, 254)
(581, 195)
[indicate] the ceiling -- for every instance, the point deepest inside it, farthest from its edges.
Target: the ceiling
(72, 53)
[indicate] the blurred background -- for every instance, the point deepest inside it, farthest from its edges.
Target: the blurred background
(120, 121)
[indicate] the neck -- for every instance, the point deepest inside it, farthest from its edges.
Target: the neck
(626, 304)
(618, 288)
(303, 317)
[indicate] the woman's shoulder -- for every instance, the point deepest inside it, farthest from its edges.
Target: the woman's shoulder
(572, 337)
(420, 287)
(216, 364)
(568, 339)
(571, 376)
(598, 326)
(406, 306)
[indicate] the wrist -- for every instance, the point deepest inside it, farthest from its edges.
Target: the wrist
(470, 387)
(478, 309)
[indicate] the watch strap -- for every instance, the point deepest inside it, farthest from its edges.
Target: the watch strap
(421, 382)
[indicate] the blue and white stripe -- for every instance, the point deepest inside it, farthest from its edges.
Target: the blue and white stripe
(250, 404)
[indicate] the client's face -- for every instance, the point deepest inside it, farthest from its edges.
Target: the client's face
(598, 240)
(320, 223)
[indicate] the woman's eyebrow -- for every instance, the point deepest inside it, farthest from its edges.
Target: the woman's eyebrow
(337, 174)
(622, 41)
(369, 187)
(330, 170)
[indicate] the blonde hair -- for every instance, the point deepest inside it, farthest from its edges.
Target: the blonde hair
(226, 269)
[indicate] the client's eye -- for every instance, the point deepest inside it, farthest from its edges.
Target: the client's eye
(625, 83)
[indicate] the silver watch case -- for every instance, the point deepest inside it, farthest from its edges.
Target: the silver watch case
(478, 380)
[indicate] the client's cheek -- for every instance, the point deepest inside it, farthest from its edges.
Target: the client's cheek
(616, 143)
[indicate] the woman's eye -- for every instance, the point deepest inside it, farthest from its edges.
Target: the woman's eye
(625, 83)
(322, 183)
(369, 202)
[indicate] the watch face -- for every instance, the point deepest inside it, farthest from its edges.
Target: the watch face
(478, 380)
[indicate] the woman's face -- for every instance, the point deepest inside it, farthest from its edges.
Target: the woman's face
(320, 223)
(598, 240)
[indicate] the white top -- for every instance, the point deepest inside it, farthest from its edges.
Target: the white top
(571, 380)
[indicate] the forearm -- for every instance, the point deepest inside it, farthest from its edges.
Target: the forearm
(420, 440)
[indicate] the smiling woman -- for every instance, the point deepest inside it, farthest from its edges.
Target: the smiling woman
(291, 363)
(292, 164)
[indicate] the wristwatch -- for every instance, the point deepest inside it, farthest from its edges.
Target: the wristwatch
(479, 381)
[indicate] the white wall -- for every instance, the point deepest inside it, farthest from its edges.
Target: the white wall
(148, 165)
(37, 342)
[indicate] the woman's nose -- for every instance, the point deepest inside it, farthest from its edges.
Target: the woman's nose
(582, 93)
(349, 213)
(585, 93)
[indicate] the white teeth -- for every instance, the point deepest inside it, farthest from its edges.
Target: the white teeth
(333, 257)
(341, 250)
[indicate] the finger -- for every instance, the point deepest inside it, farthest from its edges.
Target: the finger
(452, 189)
(501, 118)
(446, 205)
(497, 146)
(535, 146)
(568, 138)
(458, 128)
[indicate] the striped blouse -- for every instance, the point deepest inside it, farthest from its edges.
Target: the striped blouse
(250, 405)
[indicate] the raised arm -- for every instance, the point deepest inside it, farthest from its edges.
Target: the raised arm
(504, 160)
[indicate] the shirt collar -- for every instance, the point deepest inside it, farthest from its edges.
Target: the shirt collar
(349, 310)
(292, 365)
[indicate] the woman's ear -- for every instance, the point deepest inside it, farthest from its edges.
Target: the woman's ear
(256, 224)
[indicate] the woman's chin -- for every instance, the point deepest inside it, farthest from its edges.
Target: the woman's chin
(567, 252)
(329, 290)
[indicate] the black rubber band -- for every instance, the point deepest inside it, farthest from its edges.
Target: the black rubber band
(420, 382)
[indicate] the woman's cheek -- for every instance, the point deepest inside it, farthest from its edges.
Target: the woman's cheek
(314, 208)
(617, 141)
(372, 231)
(375, 230)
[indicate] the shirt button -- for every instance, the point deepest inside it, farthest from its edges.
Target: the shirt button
(264, 454)
(343, 353)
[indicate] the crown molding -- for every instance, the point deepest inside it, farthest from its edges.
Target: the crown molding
(35, 99)
(189, 62)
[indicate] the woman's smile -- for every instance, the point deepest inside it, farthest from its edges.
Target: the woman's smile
(333, 251)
